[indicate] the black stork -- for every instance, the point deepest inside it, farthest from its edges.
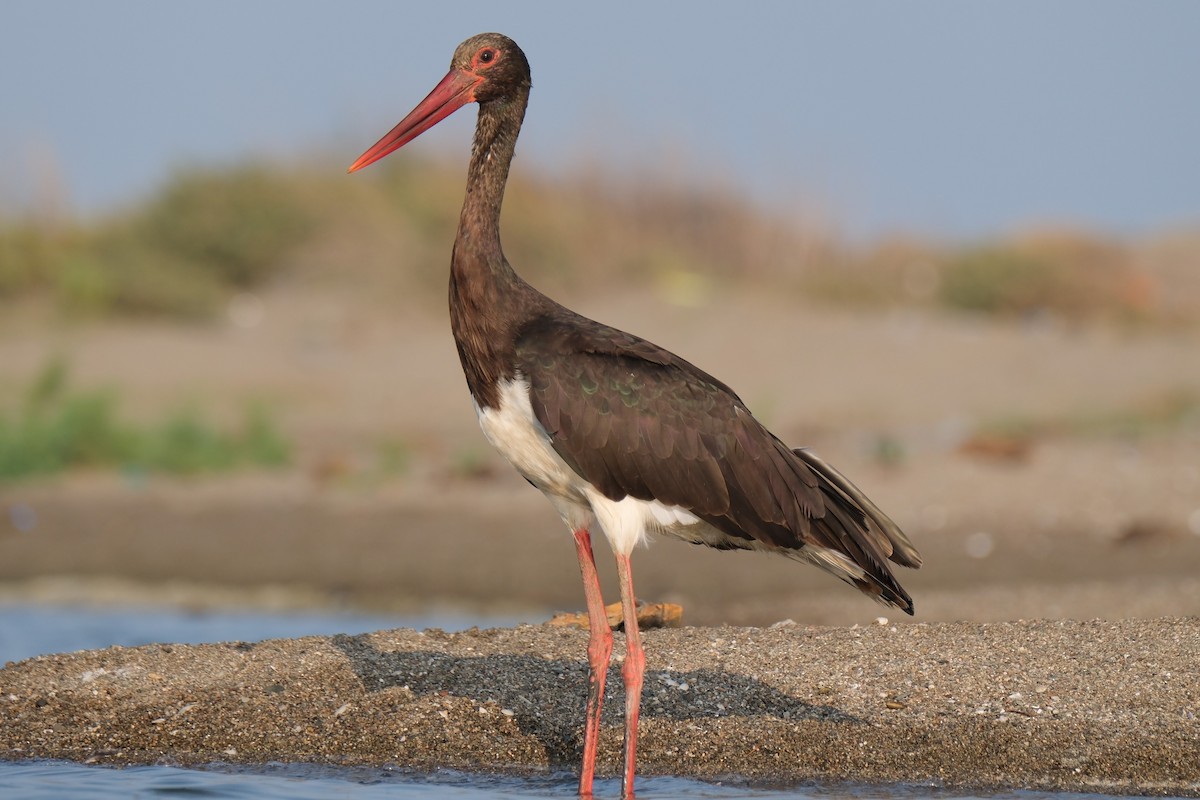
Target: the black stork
(613, 428)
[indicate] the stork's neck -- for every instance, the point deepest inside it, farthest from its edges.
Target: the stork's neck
(488, 300)
(491, 155)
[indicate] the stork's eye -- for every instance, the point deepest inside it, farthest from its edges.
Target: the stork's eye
(486, 56)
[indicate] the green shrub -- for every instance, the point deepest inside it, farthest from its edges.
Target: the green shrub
(141, 279)
(28, 254)
(994, 279)
(262, 445)
(239, 225)
(58, 428)
(204, 235)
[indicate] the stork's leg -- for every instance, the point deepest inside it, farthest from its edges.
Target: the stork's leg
(599, 652)
(635, 666)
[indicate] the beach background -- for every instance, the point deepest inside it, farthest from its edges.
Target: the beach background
(228, 378)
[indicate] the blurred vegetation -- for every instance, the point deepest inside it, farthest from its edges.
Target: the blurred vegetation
(178, 255)
(207, 235)
(57, 427)
(1170, 412)
(1073, 275)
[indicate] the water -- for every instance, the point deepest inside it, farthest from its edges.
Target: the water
(65, 781)
(29, 630)
(58, 780)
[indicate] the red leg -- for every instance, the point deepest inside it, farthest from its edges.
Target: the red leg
(599, 651)
(635, 666)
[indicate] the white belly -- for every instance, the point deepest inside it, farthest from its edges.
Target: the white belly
(516, 433)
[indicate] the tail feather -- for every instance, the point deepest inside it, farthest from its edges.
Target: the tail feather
(895, 543)
(868, 537)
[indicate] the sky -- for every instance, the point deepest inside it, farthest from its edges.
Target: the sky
(949, 119)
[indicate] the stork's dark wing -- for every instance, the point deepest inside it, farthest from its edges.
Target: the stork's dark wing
(636, 420)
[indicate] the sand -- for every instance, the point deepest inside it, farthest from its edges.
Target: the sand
(1071, 706)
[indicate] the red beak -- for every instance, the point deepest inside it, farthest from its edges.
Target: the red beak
(455, 91)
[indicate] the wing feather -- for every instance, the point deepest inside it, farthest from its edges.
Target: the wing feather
(635, 420)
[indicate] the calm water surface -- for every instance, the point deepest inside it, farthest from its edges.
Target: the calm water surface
(29, 630)
(57, 780)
